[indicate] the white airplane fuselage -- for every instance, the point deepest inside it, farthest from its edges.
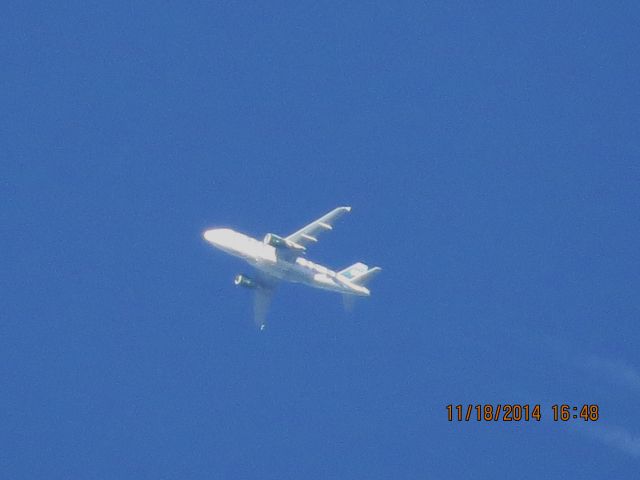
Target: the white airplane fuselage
(282, 265)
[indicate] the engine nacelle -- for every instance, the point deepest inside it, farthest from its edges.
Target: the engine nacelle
(279, 242)
(244, 281)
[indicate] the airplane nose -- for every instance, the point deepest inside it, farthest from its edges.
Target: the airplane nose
(222, 238)
(213, 236)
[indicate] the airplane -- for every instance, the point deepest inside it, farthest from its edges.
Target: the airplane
(277, 258)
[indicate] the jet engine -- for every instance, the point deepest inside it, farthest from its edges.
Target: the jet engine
(244, 281)
(279, 242)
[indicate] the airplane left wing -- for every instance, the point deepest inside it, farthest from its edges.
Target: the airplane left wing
(263, 293)
(310, 233)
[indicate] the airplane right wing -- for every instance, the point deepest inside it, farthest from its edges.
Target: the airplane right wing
(310, 232)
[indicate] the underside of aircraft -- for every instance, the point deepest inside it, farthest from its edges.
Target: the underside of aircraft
(277, 259)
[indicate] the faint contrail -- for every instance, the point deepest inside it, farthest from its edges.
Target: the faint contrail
(614, 436)
(616, 370)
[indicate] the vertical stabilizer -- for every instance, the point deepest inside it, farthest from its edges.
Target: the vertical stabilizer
(349, 302)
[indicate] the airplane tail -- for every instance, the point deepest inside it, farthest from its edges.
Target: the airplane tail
(359, 273)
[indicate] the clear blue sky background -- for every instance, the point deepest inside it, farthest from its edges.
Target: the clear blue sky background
(490, 153)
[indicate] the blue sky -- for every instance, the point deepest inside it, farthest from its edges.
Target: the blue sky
(490, 156)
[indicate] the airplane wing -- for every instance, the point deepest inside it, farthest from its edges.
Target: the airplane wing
(310, 233)
(263, 293)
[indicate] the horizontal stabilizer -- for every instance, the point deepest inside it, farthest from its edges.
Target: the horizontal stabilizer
(366, 277)
(353, 271)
